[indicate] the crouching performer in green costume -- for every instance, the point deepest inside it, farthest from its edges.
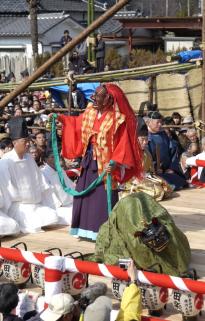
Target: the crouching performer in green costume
(142, 229)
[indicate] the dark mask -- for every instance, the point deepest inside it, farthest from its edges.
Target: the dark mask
(154, 235)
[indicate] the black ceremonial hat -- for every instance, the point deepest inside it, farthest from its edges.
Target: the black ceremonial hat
(142, 129)
(17, 128)
(154, 115)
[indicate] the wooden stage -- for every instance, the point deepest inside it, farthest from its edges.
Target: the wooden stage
(188, 210)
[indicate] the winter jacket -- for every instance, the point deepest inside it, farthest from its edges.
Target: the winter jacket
(130, 308)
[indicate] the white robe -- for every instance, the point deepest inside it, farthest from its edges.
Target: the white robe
(8, 226)
(56, 197)
(191, 161)
(27, 207)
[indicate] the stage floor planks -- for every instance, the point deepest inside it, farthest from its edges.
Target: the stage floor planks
(188, 210)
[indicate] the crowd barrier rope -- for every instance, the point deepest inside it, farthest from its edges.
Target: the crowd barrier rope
(56, 266)
(110, 271)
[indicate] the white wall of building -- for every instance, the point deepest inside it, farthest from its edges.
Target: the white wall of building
(175, 44)
(17, 45)
(52, 37)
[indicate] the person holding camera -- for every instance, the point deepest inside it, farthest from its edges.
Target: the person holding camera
(131, 307)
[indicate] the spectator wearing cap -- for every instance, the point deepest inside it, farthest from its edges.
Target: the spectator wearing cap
(99, 310)
(8, 302)
(166, 161)
(60, 308)
(188, 120)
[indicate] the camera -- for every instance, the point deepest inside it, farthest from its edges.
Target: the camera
(124, 263)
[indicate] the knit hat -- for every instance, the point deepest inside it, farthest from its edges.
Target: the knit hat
(60, 305)
(99, 310)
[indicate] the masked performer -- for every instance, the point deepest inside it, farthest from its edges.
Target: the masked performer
(142, 229)
(105, 131)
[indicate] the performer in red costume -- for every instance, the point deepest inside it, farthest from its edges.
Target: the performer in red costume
(105, 131)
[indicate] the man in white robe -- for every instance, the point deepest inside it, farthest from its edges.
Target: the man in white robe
(57, 198)
(8, 226)
(27, 207)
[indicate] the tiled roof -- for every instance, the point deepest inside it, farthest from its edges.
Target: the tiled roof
(15, 6)
(20, 26)
(21, 6)
(112, 26)
(65, 5)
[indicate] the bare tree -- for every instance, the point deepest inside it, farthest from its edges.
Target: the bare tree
(33, 6)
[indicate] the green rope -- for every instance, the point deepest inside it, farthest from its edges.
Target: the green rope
(92, 186)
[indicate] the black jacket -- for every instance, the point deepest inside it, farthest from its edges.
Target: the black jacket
(81, 100)
(36, 318)
(100, 49)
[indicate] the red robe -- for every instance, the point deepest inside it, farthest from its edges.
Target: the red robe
(122, 152)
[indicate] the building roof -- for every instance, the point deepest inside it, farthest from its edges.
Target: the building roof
(65, 5)
(111, 26)
(21, 6)
(192, 23)
(20, 25)
(15, 6)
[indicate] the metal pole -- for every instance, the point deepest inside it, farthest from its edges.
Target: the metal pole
(63, 51)
(167, 8)
(188, 8)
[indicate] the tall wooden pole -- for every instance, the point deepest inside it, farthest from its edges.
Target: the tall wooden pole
(203, 66)
(63, 51)
(34, 28)
(91, 56)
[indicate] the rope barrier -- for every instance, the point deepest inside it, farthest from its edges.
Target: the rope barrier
(110, 271)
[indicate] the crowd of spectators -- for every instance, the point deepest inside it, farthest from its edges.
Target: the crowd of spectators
(92, 304)
(172, 141)
(35, 108)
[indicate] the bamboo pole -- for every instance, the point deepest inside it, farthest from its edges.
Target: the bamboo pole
(63, 51)
(83, 77)
(103, 77)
